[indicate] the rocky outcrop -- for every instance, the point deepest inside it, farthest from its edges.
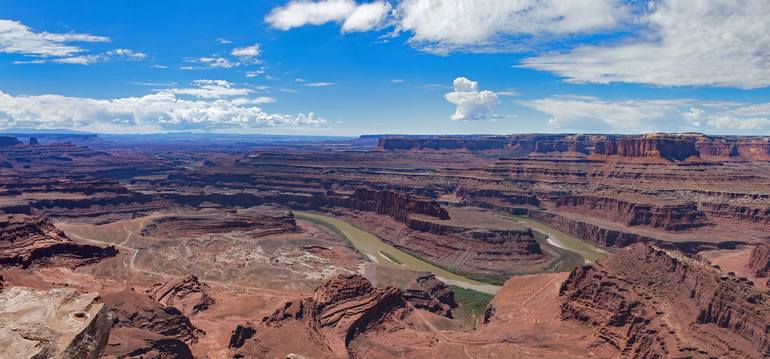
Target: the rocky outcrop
(57, 323)
(595, 234)
(431, 294)
(188, 295)
(653, 146)
(759, 262)
(240, 335)
(669, 216)
(650, 147)
(143, 327)
(395, 204)
(340, 309)
(444, 143)
(613, 238)
(33, 141)
(739, 212)
(757, 149)
(190, 225)
(28, 240)
(651, 303)
(528, 144)
(497, 197)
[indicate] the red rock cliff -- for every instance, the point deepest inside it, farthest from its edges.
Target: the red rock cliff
(396, 204)
(759, 262)
(339, 310)
(651, 303)
(27, 240)
(672, 148)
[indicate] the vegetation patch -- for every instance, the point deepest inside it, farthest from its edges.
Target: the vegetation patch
(471, 303)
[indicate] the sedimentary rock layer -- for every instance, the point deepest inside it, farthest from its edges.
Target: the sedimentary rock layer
(339, 310)
(431, 294)
(759, 262)
(143, 327)
(652, 303)
(27, 240)
(188, 295)
(258, 223)
(670, 147)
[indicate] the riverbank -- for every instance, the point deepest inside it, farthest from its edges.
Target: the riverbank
(556, 238)
(384, 254)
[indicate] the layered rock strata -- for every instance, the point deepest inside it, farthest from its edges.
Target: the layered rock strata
(188, 295)
(144, 328)
(654, 146)
(759, 262)
(651, 303)
(671, 217)
(431, 294)
(27, 240)
(258, 224)
(340, 309)
(394, 204)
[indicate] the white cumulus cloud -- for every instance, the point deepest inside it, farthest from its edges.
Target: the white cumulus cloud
(352, 16)
(159, 111)
(472, 103)
(366, 17)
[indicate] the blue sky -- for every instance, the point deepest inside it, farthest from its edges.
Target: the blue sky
(405, 66)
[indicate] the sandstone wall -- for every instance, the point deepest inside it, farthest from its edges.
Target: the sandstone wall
(650, 303)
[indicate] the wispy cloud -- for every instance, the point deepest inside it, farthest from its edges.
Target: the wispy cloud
(17, 38)
(212, 89)
(320, 84)
(247, 53)
(706, 43)
(586, 113)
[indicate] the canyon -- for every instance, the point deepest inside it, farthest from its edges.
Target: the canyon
(215, 249)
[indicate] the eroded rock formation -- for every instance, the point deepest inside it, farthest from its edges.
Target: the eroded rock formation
(759, 262)
(143, 327)
(652, 303)
(188, 295)
(340, 309)
(395, 204)
(431, 294)
(651, 146)
(57, 323)
(257, 223)
(669, 216)
(27, 240)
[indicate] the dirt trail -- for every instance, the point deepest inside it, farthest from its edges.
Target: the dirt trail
(531, 297)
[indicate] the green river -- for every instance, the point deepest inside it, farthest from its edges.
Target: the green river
(385, 254)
